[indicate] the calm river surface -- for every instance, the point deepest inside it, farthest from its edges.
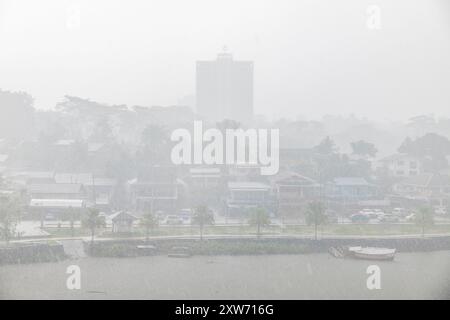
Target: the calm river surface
(312, 276)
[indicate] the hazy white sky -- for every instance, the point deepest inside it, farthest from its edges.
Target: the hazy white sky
(311, 57)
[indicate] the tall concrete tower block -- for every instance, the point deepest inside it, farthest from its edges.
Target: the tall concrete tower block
(224, 89)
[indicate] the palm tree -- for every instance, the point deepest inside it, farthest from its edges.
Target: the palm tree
(315, 215)
(154, 142)
(92, 221)
(202, 216)
(154, 149)
(259, 218)
(227, 124)
(149, 222)
(9, 212)
(72, 222)
(223, 126)
(424, 218)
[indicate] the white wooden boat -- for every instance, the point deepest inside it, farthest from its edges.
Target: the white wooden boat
(180, 252)
(146, 249)
(371, 253)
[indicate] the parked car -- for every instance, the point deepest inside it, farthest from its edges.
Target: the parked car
(411, 217)
(359, 218)
(371, 214)
(390, 218)
(375, 215)
(185, 215)
(399, 212)
(173, 220)
(332, 218)
(440, 210)
(49, 217)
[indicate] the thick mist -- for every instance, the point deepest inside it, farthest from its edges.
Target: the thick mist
(311, 57)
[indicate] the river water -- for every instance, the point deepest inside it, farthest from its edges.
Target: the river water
(310, 276)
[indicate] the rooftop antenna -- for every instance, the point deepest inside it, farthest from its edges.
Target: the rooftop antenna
(225, 54)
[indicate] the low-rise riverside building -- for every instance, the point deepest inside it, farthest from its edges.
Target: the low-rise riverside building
(65, 191)
(122, 222)
(57, 209)
(245, 195)
(293, 192)
(158, 192)
(401, 165)
(204, 185)
(350, 189)
(427, 188)
(99, 190)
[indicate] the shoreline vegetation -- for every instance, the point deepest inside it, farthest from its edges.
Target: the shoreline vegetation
(53, 250)
(248, 230)
(237, 239)
(254, 246)
(32, 252)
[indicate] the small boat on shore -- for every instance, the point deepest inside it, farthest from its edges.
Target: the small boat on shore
(146, 250)
(337, 252)
(146, 247)
(180, 252)
(370, 253)
(365, 253)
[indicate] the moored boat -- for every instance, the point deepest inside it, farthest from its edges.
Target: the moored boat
(372, 253)
(146, 250)
(180, 252)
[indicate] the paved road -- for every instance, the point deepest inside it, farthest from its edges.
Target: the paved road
(227, 236)
(31, 229)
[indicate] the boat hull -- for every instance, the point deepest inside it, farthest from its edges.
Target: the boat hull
(364, 253)
(179, 255)
(365, 256)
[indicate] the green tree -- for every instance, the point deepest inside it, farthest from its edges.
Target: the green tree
(363, 148)
(154, 150)
(259, 218)
(223, 126)
(424, 218)
(202, 216)
(227, 124)
(92, 221)
(315, 215)
(70, 211)
(9, 215)
(149, 222)
(102, 131)
(432, 146)
(155, 141)
(326, 147)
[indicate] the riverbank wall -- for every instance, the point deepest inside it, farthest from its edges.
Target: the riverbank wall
(31, 253)
(249, 246)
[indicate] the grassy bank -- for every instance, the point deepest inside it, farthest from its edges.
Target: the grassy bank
(31, 253)
(329, 230)
(129, 248)
(251, 246)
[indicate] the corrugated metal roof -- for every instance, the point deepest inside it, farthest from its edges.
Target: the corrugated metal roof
(56, 203)
(350, 181)
(55, 188)
(248, 185)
